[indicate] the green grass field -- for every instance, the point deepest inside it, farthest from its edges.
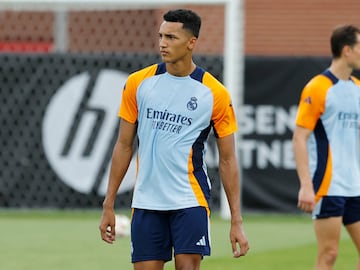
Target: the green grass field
(70, 240)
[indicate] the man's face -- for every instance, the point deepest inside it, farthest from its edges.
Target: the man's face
(354, 55)
(175, 42)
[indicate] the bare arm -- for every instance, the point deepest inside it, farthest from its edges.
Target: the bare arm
(306, 197)
(121, 158)
(229, 174)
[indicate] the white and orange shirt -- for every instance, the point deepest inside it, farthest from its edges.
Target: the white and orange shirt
(331, 109)
(174, 117)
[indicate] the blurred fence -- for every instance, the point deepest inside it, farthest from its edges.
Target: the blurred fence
(101, 31)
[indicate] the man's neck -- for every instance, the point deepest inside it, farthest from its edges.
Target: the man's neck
(340, 69)
(180, 69)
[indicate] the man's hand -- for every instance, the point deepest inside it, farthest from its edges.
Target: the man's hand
(238, 240)
(306, 198)
(107, 226)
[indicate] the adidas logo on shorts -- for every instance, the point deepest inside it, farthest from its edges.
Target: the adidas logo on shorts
(201, 242)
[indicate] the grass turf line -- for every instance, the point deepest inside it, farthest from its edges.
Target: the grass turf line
(70, 240)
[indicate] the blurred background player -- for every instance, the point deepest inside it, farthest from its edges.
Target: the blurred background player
(326, 146)
(172, 107)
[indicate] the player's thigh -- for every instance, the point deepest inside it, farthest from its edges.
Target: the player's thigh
(149, 265)
(188, 261)
(354, 232)
(327, 231)
(328, 217)
(352, 219)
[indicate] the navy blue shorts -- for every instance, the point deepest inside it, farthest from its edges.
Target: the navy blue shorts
(338, 206)
(156, 234)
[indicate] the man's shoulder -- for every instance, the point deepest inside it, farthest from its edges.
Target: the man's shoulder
(320, 81)
(145, 72)
(356, 80)
(212, 82)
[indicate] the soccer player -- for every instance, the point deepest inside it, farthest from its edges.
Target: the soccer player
(171, 107)
(326, 145)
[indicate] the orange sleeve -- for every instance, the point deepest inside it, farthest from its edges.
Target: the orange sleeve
(356, 80)
(223, 116)
(312, 101)
(128, 108)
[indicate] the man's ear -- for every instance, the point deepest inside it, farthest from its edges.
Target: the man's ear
(192, 43)
(346, 50)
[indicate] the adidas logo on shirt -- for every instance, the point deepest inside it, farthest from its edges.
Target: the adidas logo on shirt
(308, 100)
(201, 242)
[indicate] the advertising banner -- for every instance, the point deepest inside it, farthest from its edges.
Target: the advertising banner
(59, 124)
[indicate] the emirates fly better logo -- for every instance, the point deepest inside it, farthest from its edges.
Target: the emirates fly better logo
(78, 131)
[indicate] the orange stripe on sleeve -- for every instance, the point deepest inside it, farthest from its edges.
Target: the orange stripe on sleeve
(312, 101)
(128, 109)
(223, 116)
(356, 80)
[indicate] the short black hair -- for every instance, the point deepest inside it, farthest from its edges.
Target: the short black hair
(190, 20)
(344, 35)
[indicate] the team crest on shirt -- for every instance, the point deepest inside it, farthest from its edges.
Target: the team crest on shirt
(192, 104)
